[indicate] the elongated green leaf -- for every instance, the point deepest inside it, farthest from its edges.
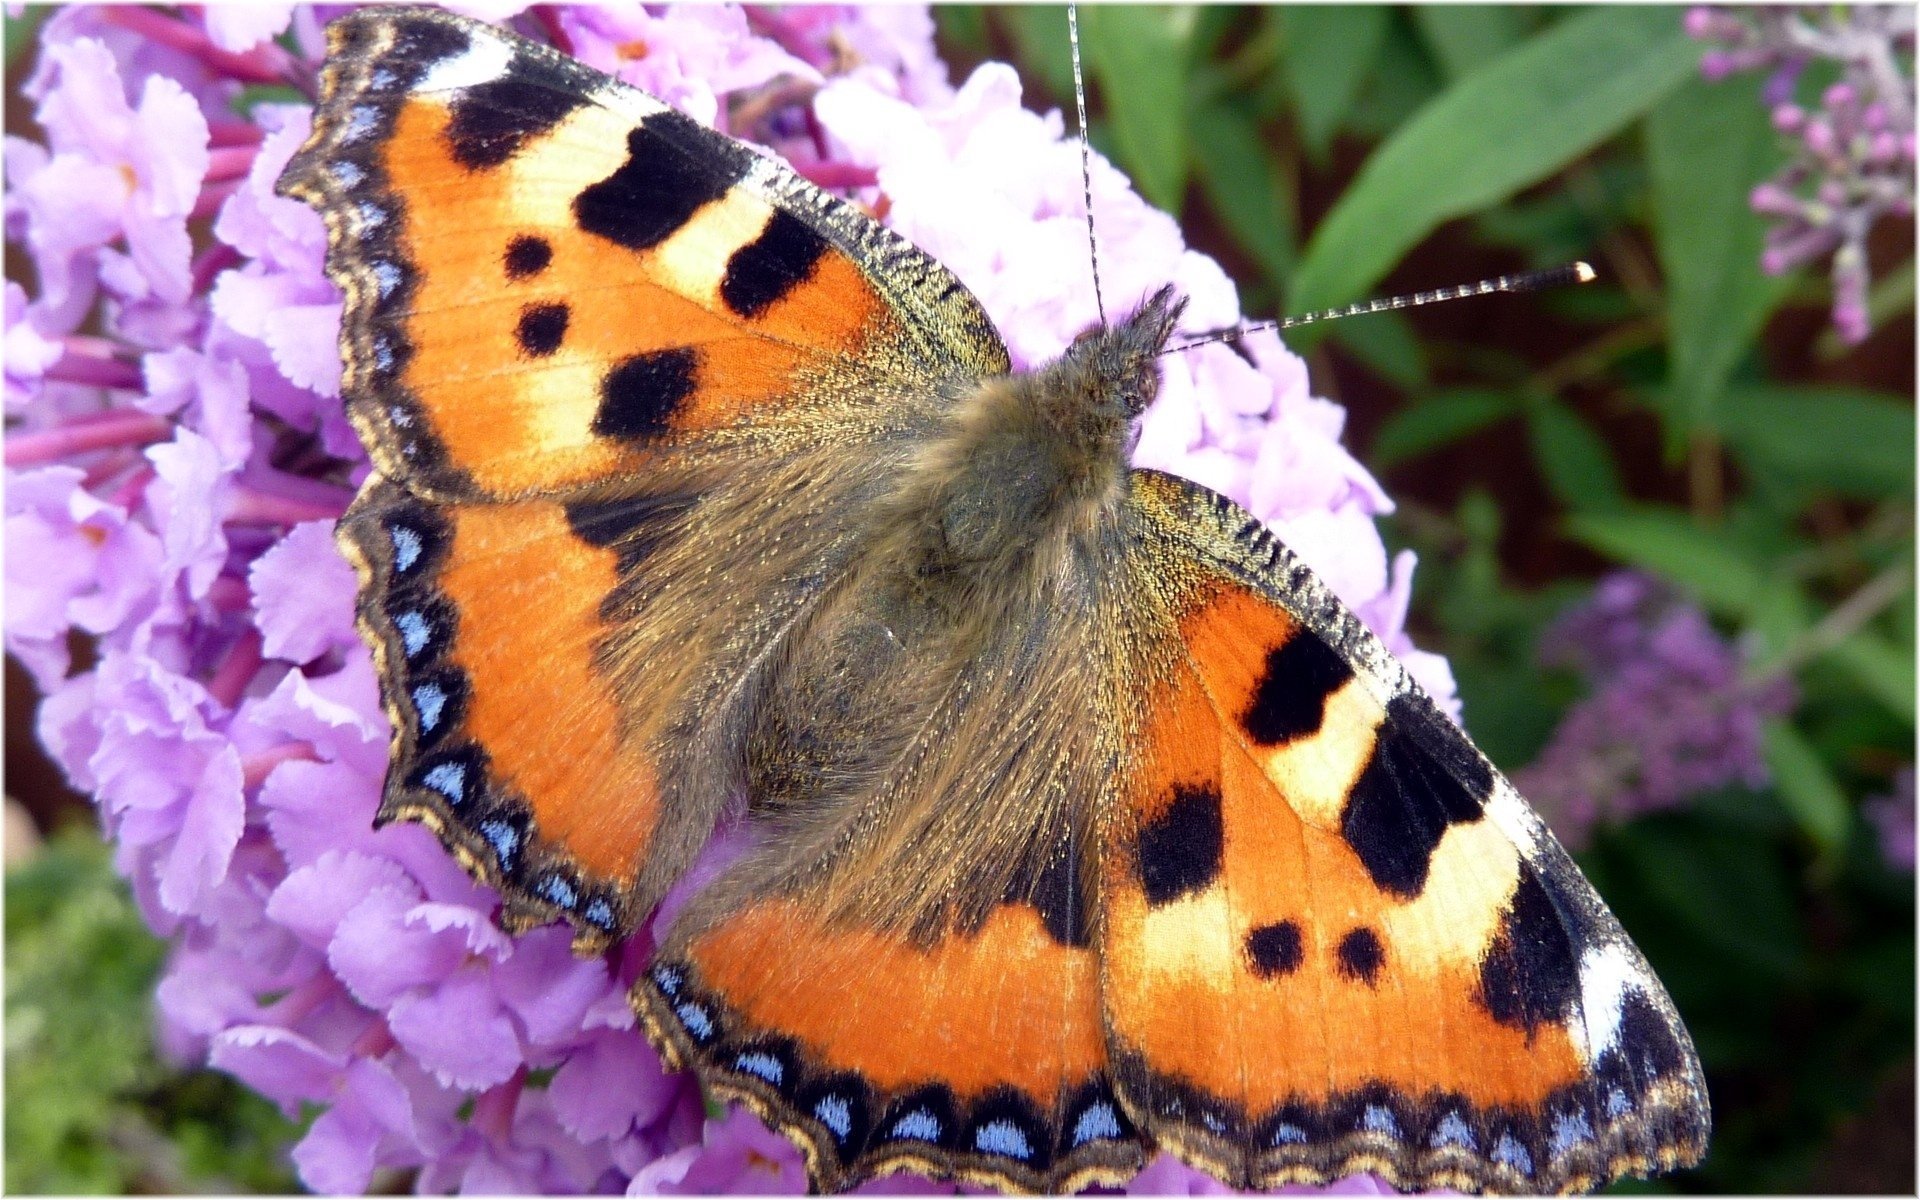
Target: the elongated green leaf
(1329, 48)
(1514, 122)
(1040, 33)
(1806, 787)
(1438, 420)
(1466, 37)
(1880, 668)
(1668, 543)
(1573, 458)
(1386, 342)
(1237, 170)
(1140, 54)
(1706, 145)
(1854, 442)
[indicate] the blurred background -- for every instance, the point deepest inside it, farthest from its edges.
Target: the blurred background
(1664, 521)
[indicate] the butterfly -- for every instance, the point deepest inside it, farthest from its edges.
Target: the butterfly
(1085, 821)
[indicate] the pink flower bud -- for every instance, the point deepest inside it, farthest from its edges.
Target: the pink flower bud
(1789, 118)
(1716, 65)
(1819, 137)
(1840, 95)
(1874, 116)
(1699, 22)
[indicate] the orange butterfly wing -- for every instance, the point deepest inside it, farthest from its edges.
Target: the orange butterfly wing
(574, 317)
(1335, 940)
(550, 274)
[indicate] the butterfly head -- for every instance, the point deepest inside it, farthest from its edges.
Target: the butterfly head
(1114, 366)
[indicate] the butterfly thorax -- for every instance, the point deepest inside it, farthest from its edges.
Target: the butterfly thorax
(1028, 467)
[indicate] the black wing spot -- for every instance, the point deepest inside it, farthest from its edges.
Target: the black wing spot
(527, 256)
(771, 265)
(1180, 851)
(1291, 698)
(1422, 777)
(632, 526)
(542, 328)
(1531, 975)
(1361, 955)
(639, 397)
(658, 188)
(1275, 949)
(1050, 881)
(492, 120)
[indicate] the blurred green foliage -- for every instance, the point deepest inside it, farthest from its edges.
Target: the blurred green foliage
(90, 1106)
(1686, 415)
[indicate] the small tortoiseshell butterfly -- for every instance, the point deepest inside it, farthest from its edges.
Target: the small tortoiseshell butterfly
(1089, 822)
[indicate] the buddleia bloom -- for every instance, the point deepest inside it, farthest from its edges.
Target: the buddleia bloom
(177, 454)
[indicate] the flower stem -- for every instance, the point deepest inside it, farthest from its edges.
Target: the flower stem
(93, 370)
(267, 64)
(126, 428)
(237, 669)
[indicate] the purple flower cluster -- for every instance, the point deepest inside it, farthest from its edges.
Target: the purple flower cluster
(1668, 715)
(1852, 157)
(1891, 816)
(176, 454)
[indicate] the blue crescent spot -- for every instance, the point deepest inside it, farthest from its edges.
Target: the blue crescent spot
(559, 891)
(383, 353)
(1004, 1138)
(1569, 1130)
(1289, 1135)
(667, 979)
(504, 839)
(1453, 1130)
(449, 779)
(415, 633)
(600, 913)
(1617, 1103)
(372, 216)
(761, 1064)
(1513, 1154)
(918, 1125)
(835, 1114)
(386, 278)
(360, 122)
(429, 700)
(1377, 1119)
(695, 1018)
(347, 175)
(381, 80)
(406, 547)
(1097, 1123)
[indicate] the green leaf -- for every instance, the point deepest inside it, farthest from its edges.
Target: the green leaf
(1329, 50)
(1854, 442)
(1573, 458)
(1238, 173)
(1039, 34)
(1706, 145)
(1540, 106)
(1668, 543)
(1880, 668)
(1141, 56)
(1386, 342)
(21, 32)
(1806, 786)
(1465, 37)
(1438, 420)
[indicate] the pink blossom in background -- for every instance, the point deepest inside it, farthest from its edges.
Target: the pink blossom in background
(177, 454)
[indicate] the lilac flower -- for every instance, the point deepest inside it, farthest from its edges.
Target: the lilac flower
(1853, 157)
(1668, 716)
(1891, 816)
(172, 478)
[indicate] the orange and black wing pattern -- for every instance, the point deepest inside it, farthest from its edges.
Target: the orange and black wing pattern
(551, 275)
(583, 336)
(1335, 940)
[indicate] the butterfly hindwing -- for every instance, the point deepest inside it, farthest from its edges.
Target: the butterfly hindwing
(1335, 939)
(551, 276)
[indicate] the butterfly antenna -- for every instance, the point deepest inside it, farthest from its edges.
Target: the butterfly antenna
(1086, 155)
(1529, 281)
